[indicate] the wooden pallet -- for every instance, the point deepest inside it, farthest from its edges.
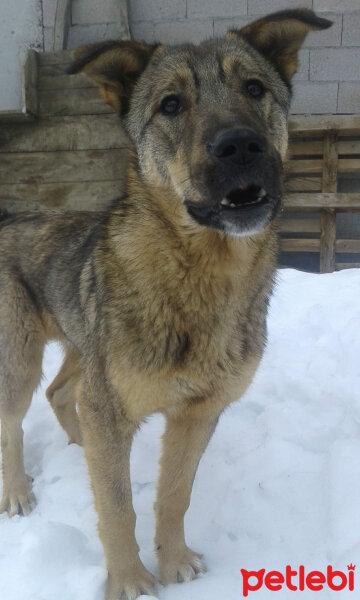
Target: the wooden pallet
(322, 149)
(74, 156)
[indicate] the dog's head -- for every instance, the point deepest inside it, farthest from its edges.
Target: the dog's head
(209, 121)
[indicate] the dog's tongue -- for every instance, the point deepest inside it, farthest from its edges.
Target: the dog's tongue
(243, 186)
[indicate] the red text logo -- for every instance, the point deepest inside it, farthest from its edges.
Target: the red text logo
(298, 580)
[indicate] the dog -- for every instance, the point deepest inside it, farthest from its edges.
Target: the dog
(160, 300)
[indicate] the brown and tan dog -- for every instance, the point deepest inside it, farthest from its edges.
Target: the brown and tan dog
(161, 300)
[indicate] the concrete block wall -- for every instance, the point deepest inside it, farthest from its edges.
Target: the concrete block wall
(20, 29)
(90, 21)
(328, 78)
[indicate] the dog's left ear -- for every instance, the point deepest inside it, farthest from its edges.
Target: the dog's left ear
(115, 67)
(279, 37)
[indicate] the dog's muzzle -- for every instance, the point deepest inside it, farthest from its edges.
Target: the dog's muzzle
(248, 196)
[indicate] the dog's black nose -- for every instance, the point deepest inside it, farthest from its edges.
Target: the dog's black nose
(239, 146)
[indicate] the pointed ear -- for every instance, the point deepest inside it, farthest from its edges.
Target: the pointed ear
(279, 37)
(115, 68)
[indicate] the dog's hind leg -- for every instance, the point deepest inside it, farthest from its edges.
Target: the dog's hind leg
(62, 396)
(185, 439)
(21, 349)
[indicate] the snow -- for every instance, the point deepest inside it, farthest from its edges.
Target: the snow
(279, 483)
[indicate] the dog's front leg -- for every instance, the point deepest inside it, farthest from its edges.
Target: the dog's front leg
(185, 439)
(107, 438)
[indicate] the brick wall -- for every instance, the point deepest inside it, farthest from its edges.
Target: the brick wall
(328, 78)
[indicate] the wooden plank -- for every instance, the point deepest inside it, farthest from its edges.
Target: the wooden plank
(50, 80)
(348, 246)
(344, 202)
(307, 147)
(328, 216)
(299, 245)
(77, 196)
(312, 148)
(315, 125)
(349, 146)
(304, 166)
(327, 241)
(29, 82)
(331, 161)
(288, 225)
(62, 167)
(56, 58)
(86, 101)
(314, 165)
(51, 134)
(62, 24)
(340, 266)
(349, 165)
(15, 116)
(122, 19)
(303, 184)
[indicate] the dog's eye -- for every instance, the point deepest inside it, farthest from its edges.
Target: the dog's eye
(171, 105)
(255, 88)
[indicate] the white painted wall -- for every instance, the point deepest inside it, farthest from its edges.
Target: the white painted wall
(20, 29)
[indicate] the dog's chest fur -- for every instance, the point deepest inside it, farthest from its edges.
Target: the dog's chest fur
(194, 323)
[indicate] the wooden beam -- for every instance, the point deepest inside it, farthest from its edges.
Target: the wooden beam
(53, 77)
(348, 246)
(122, 18)
(56, 58)
(53, 134)
(303, 184)
(86, 101)
(315, 125)
(30, 83)
(62, 167)
(340, 266)
(15, 116)
(328, 216)
(343, 202)
(295, 225)
(315, 165)
(304, 165)
(349, 146)
(62, 23)
(298, 245)
(305, 147)
(94, 195)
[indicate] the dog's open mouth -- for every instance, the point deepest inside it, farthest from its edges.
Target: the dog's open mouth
(247, 207)
(243, 196)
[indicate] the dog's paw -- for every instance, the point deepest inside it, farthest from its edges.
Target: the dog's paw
(184, 566)
(18, 499)
(131, 588)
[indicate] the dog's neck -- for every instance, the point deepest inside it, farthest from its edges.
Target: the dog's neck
(165, 222)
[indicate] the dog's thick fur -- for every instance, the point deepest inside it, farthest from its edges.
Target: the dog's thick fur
(161, 300)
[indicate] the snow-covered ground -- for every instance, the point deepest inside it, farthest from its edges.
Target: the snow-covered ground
(279, 483)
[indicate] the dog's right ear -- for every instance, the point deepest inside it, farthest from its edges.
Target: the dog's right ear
(115, 67)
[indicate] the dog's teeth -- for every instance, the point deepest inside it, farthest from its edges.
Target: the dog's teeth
(262, 194)
(232, 205)
(225, 202)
